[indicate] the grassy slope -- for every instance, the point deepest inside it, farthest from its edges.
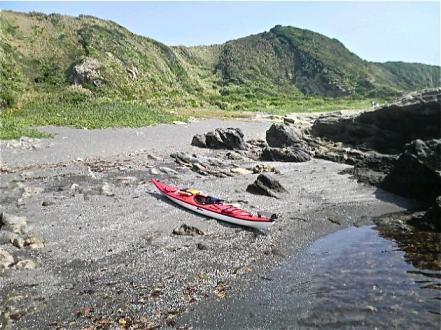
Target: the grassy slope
(280, 71)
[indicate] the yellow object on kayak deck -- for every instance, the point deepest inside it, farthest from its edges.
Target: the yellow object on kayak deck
(193, 191)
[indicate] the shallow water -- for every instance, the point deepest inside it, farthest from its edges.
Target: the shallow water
(350, 279)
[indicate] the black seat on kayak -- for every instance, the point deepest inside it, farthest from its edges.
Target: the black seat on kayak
(207, 200)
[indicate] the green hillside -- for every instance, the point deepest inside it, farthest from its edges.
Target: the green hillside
(53, 65)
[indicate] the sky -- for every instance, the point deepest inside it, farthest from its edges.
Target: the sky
(375, 31)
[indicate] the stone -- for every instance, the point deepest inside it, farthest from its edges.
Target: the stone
(266, 185)
(128, 180)
(282, 135)
(199, 141)
(168, 170)
(187, 230)
(7, 237)
(201, 246)
(18, 242)
(388, 129)
(433, 215)
(233, 155)
(417, 171)
(153, 157)
(47, 203)
(289, 154)
(185, 158)
(6, 259)
(31, 191)
(25, 264)
(74, 188)
(87, 71)
(132, 72)
(12, 223)
(242, 171)
(261, 168)
(221, 138)
(34, 243)
(106, 190)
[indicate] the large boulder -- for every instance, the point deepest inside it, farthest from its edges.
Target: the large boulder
(87, 71)
(290, 154)
(388, 129)
(221, 138)
(433, 215)
(282, 135)
(266, 185)
(417, 172)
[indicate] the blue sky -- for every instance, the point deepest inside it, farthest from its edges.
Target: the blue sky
(376, 31)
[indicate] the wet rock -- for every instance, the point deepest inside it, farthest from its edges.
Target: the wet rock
(266, 185)
(187, 230)
(417, 172)
(12, 223)
(388, 129)
(282, 135)
(106, 190)
(6, 259)
(290, 154)
(25, 264)
(221, 138)
(433, 215)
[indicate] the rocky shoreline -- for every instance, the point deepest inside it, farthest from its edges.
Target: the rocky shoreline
(109, 251)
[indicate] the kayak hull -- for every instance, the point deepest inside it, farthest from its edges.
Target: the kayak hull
(257, 222)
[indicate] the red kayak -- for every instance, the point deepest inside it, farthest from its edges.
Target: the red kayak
(213, 207)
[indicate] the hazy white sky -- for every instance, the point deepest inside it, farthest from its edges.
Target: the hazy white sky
(376, 31)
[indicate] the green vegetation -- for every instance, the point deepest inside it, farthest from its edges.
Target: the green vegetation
(87, 72)
(87, 114)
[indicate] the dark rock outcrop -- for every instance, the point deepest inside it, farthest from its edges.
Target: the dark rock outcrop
(282, 135)
(266, 185)
(221, 138)
(417, 172)
(199, 141)
(289, 154)
(388, 129)
(433, 215)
